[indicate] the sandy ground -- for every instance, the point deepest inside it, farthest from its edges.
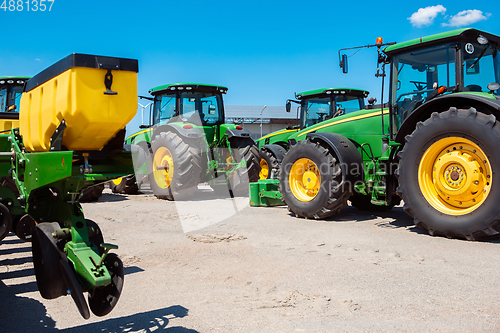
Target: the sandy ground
(259, 269)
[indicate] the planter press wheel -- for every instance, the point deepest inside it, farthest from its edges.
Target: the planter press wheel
(103, 299)
(24, 228)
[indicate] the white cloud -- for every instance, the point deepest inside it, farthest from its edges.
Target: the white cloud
(466, 17)
(425, 16)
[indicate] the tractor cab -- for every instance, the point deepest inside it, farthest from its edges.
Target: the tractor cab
(200, 104)
(459, 61)
(11, 89)
(323, 104)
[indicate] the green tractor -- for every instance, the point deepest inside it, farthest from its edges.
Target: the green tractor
(315, 106)
(189, 143)
(432, 145)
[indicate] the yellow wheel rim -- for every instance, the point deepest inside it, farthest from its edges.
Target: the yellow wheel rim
(455, 176)
(304, 179)
(264, 169)
(163, 167)
(117, 181)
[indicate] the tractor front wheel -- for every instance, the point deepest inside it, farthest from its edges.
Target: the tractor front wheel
(311, 181)
(447, 174)
(175, 171)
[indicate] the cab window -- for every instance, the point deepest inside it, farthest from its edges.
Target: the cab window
(316, 110)
(164, 108)
(347, 104)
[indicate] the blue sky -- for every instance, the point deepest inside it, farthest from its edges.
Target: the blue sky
(263, 51)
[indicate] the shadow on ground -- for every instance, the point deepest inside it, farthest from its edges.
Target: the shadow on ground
(394, 219)
(155, 320)
(110, 197)
(23, 314)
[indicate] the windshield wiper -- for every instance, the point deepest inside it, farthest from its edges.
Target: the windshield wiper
(479, 58)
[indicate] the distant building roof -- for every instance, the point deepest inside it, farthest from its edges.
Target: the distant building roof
(270, 112)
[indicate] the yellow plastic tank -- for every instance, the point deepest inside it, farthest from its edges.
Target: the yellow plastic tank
(8, 124)
(95, 96)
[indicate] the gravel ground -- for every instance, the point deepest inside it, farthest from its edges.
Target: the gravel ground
(197, 267)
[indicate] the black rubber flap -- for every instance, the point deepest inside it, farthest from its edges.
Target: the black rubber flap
(82, 60)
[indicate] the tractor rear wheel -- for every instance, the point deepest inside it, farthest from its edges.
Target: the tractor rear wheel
(447, 174)
(175, 171)
(244, 149)
(311, 181)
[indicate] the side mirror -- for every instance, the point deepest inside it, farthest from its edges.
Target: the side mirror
(288, 106)
(343, 63)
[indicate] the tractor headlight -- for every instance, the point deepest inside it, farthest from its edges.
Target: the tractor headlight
(482, 40)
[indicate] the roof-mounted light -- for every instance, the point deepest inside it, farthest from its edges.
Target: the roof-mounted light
(20, 82)
(328, 92)
(2, 82)
(482, 40)
(180, 88)
(189, 88)
(172, 88)
(379, 41)
(10, 81)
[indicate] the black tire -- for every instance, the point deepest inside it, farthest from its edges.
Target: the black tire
(115, 185)
(459, 144)
(183, 182)
(363, 202)
(267, 164)
(271, 161)
(244, 149)
(331, 193)
(92, 193)
(125, 185)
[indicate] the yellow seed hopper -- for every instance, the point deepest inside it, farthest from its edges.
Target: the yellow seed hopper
(94, 97)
